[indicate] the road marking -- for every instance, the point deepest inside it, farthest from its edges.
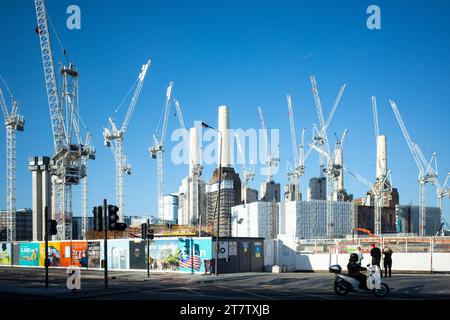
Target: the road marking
(246, 292)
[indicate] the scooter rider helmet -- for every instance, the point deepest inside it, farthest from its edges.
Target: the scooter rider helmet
(354, 257)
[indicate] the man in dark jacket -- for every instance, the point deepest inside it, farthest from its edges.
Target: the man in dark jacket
(387, 252)
(375, 253)
(354, 270)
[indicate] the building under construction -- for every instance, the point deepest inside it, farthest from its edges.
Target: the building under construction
(256, 219)
(308, 219)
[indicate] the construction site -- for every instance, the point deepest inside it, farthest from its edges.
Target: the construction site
(223, 205)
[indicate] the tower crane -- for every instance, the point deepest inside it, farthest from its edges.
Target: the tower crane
(247, 173)
(332, 171)
(443, 191)
(298, 151)
(88, 154)
(66, 166)
(375, 117)
(13, 122)
(272, 161)
(113, 138)
(378, 195)
(157, 151)
(427, 174)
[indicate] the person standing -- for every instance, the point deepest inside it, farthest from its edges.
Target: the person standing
(360, 255)
(387, 252)
(375, 253)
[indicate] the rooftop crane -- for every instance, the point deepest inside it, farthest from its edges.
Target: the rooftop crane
(114, 138)
(332, 171)
(13, 122)
(443, 191)
(299, 155)
(157, 151)
(247, 173)
(66, 165)
(272, 161)
(427, 174)
(88, 154)
(375, 117)
(378, 195)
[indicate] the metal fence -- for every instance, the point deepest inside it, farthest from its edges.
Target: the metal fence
(397, 244)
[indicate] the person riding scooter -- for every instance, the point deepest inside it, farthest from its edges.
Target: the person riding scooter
(354, 270)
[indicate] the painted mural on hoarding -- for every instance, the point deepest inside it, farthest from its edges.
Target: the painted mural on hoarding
(53, 253)
(74, 253)
(118, 254)
(164, 255)
(193, 252)
(5, 254)
(94, 254)
(137, 254)
(29, 254)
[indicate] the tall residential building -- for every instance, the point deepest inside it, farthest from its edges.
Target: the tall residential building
(408, 219)
(77, 225)
(192, 202)
(255, 220)
(41, 194)
(249, 195)
(270, 191)
(317, 189)
(24, 225)
(170, 209)
(230, 196)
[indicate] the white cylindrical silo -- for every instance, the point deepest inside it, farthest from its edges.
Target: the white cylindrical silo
(224, 125)
(339, 181)
(381, 157)
(194, 152)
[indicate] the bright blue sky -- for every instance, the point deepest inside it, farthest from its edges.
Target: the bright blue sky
(243, 54)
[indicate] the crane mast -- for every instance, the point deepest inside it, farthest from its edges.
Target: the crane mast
(272, 162)
(378, 195)
(114, 138)
(13, 122)
(157, 151)
(332, 171)
(427, 174)
(66, 165)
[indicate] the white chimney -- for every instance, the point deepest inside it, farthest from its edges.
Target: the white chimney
(381, 157)
(194, 156)
(339, 182)
(224, 125)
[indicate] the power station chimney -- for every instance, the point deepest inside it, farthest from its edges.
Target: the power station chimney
(339, 181)
(381, 158)
(224, 125)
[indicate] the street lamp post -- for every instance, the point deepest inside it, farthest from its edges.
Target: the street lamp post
(204, 125)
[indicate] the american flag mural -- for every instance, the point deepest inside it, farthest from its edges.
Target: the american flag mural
(187, 261)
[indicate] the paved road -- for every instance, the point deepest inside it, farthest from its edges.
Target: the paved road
(25, 283)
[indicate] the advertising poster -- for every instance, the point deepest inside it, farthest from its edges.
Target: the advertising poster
(257, 249)
(29, 254)
(80, 254)
(65, 253)
(74, 253)
(53, 254)
(5, 254)
(118, 254)
(193, 252)
(164, 255)
(94, 254)
(137, 254)
(16, 254)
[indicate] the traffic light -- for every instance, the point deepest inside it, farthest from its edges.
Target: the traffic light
(53, 230)
(150, 234)
(98, 218)
(113, 217)
(144, 229)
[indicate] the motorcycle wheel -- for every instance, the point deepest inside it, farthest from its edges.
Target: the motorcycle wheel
(383, 291)
(340, 289)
